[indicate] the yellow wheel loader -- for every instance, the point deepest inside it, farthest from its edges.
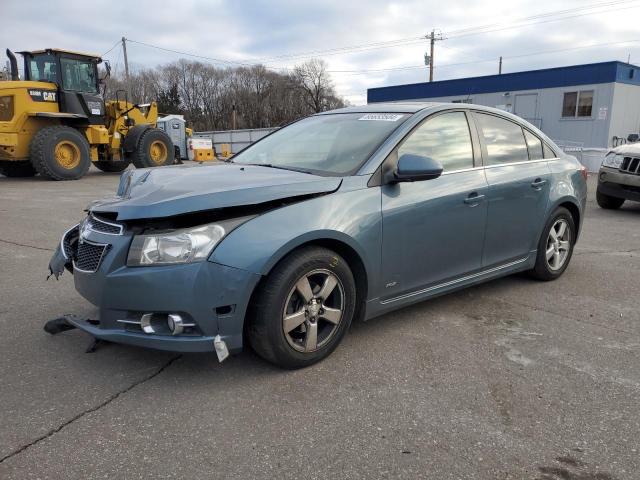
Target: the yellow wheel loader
(56, 123)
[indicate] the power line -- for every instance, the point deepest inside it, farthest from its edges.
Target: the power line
(544, 52)
(338, 50)
(550, 20)
(475, 30)
(544, 15)
(114, 46)
(115, 67)
(202, 57)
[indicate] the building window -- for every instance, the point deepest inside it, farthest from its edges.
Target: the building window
(577, 104)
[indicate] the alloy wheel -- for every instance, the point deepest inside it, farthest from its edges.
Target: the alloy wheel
(558, 244)
(313, 310)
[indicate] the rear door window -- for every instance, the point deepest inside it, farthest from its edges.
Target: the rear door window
(504, 140)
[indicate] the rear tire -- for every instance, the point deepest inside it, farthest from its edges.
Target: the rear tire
(60, 153)
(17, 169)
(154, 149)
(554, 251)
(108, 167)
(323, 317)
(608, 202)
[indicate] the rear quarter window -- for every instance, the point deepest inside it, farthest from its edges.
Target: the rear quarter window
(549, 152)
(535, 146)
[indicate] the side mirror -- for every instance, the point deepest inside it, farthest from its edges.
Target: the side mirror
(107, 71)
(412, 168)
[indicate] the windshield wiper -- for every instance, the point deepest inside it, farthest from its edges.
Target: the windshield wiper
(279, 167)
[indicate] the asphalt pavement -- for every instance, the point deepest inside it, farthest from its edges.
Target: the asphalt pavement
(513, 379)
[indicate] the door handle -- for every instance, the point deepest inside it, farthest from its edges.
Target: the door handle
(473, 199)
(538, 183)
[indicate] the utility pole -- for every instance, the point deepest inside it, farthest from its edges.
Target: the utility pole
(500, 66)
(429, 58)
(126, 66)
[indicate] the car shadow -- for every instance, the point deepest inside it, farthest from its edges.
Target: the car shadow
(245, 366)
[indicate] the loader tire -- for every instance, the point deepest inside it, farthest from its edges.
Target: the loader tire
(107, 166)
(154, 149)
(17, 169)
(60, 153)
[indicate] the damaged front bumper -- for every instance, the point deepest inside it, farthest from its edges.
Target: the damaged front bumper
(137, 305)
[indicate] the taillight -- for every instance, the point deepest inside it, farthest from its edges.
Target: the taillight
(584, 172)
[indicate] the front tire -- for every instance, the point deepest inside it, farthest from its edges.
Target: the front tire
(60, 153)
(555, 246)
(608, 202)
(154, 149)
(303, 309)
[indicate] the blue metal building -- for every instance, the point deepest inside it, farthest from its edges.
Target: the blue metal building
(587, 105)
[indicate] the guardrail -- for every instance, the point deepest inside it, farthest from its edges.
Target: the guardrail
(588, 156)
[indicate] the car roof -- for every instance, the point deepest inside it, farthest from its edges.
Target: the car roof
(386, 107)
(415, 107)
(628, 149)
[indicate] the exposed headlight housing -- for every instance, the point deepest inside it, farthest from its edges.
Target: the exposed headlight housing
(179, 246)
(613, 160)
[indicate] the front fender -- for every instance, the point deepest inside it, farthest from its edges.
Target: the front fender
(310, 237)
(351, 217)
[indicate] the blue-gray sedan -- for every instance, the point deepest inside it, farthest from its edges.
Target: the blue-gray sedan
(346, 214)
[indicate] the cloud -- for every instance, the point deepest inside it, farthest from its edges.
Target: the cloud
(249, 31)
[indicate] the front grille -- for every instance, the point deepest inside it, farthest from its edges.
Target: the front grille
(89, 256)
(630, 165)
(98, 225)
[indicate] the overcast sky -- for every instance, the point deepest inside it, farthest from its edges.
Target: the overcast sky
(253, 31)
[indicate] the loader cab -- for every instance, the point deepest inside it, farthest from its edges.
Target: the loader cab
(76, 78)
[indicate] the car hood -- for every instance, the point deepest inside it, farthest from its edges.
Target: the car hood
(630, 149)
(169, 191)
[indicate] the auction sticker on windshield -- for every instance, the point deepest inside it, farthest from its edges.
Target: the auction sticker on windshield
(382, 117)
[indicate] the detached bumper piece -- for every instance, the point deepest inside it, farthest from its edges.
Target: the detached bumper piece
(58, 325)
(159, 342)
(65, 323)
(63, 256)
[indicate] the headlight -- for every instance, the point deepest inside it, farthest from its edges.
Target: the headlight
(612, 160)
(179, 246)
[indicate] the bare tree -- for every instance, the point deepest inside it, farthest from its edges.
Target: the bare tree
(314, 82)
(206, 95)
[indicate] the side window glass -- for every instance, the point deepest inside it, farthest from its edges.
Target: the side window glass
(504, 140)
(78, 75)
(444, 138)
(43, 68)
(535, 146)
(548, 153)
